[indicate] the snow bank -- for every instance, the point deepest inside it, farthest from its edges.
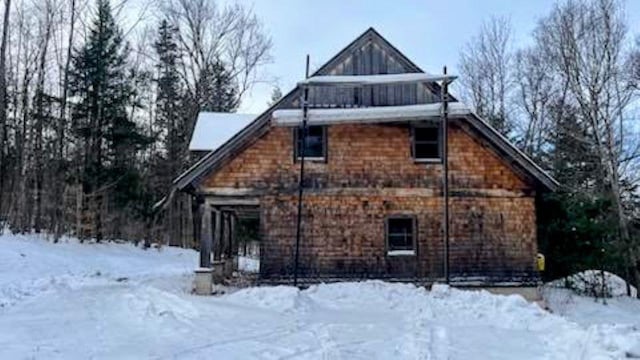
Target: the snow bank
(444, 311)
(30, 265)
(595, 283)
(117, 301)
(248, 264)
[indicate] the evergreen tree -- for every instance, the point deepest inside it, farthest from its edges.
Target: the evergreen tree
(276, 95)
(110, 140)
(169, 117)
(573, 159)
(220, 93)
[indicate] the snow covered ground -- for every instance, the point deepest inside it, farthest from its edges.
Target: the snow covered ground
(105, 301)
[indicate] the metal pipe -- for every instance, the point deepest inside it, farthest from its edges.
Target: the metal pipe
(305, 110)
(445, 168)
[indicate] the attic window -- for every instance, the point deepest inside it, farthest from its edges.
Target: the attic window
(400, 233)
(426, 143)
(315, 147)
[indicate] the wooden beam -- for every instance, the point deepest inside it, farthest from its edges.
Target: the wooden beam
(205, 236)
(217, 236)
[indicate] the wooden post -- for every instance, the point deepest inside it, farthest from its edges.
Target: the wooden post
(217, 252)
(206, 238)
(198, 209)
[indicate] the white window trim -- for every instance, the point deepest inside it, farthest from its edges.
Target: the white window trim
(306, 158)
(401, 252)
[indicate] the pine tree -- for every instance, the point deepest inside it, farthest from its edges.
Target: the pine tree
(110, 140)
(169, 117)
(276, 95)
(220, 93)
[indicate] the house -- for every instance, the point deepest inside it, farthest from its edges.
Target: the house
(372, 192)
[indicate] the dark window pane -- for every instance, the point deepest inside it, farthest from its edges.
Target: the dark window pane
(427, 151)
(426, 133)
(426, 142)
(400, 234)
(314, 142)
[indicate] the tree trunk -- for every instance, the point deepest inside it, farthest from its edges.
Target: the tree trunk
(3, 107)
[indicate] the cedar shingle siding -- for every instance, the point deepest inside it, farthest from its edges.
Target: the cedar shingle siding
(370, 175)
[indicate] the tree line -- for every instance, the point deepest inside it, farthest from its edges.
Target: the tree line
(97, 107)
(570, 101)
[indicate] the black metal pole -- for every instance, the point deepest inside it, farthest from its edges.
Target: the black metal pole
(305, 110)
(445, 170)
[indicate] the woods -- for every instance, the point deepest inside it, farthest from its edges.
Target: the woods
(96, 110)
(572, 101)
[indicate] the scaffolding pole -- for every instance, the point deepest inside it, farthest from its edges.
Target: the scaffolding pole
(445, 170)
(305, 110)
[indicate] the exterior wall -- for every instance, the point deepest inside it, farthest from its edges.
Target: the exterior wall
(365, 156)
(344, 235)
(369, 174)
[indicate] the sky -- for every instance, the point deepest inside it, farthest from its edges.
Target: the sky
(430, 32)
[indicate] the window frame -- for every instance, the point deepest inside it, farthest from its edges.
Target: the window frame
(414, 236)
(437, 126)
(297, 157)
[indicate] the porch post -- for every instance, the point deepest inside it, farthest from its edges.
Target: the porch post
(202, 233)
(217, 251)
(205, 235)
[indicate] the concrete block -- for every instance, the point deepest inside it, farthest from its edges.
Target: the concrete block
(203, 281)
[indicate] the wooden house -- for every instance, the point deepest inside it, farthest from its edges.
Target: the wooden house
(372, 192)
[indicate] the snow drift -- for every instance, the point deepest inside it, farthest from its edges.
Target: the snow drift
(78, 301)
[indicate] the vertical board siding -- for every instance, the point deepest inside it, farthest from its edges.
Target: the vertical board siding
(370, 59)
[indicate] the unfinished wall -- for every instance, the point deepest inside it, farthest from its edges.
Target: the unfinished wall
(369, 174)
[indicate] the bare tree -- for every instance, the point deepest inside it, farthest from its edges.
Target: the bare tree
(208, 34)
(535, 91)
(585, 42)
(486, 72)
(3, 106)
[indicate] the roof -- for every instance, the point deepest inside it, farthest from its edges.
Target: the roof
(293, 117)
(260, 125)
(216, 128)
(361, 80)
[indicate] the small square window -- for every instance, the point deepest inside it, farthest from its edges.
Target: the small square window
(400, 235)
(426, 143)
(315, 143)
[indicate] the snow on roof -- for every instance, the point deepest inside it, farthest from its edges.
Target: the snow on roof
(215, 128)
(292, 117)
(359, 80)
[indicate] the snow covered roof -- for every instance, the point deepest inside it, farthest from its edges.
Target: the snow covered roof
(387, 79)
(216, 128)
(292, 117)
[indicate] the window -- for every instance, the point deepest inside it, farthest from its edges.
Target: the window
(400, 235)
(315, 144)
(426, 143)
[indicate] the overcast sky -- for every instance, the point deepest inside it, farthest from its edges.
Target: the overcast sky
(430, 32)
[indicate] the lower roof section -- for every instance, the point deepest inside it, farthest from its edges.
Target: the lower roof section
(293, 117)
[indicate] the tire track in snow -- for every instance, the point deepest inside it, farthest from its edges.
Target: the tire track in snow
(425, 340)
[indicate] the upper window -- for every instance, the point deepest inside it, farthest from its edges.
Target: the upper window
(315, 145)
(426, 143)
(401, 235)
